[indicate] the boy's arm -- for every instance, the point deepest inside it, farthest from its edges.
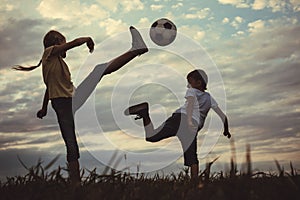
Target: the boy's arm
(43, 112)
(189, 112)
(224, 120)
(58, 49)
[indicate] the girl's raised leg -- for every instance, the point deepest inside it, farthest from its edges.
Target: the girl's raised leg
(88, 85)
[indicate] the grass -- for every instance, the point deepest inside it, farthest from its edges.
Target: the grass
(112, 184)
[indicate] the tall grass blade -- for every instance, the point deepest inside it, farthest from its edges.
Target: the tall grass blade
(280, 170)
(52, 162)
(110, 162)
(248, 160)
(292, 169)
(22, 163)
(206, 172)
(233, 165)
(118, 162)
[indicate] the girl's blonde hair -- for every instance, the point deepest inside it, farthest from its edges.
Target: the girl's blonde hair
(51, 38)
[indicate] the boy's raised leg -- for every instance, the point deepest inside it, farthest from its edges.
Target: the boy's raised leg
(142, 111)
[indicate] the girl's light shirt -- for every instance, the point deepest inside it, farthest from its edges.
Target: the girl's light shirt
(202, 104)
(56, 75)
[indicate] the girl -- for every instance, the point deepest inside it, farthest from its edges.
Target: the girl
(65, 99)
(186, 121)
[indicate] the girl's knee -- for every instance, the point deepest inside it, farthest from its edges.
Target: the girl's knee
(72, 153)
(151, 139)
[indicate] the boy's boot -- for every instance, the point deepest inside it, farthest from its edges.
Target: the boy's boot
(141, 110)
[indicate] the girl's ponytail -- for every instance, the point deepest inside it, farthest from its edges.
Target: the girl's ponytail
(51, 38)
(21, 68)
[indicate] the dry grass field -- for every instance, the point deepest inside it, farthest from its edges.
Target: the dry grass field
(111, 184)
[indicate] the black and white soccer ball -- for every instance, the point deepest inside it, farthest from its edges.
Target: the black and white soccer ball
(163, 32)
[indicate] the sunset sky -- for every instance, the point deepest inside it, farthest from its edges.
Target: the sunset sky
(249, 48)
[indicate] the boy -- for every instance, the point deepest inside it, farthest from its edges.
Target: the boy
(186, 121)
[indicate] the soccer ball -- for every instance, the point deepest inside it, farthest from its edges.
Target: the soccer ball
(163, 32)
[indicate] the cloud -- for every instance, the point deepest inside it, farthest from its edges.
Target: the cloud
(113, 26)
(156, 7)
(238, 34)
(7, 6)
(74, 11)
(277, 5)
(259, 4)
(236, 3)
(130, 5)
(199, 35)
(296, 5)
(260, 74)
(20, 41)
(121, 5)
(111, 5)
(272, 35)
(144, 22)
(201, 14)
(225, 20)
(236, 22)
(238, 19)
(194, 31)
(256, 26)
(20, 100)
(274, 5)
(178, 5)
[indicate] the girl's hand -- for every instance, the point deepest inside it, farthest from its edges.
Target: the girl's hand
(90, 44)
(41, 113)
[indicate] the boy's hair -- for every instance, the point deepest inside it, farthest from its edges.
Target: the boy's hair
(199, 74)
(51, 38)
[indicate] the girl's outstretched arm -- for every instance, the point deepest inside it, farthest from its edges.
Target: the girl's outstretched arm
(65, 46)
(224, 120)
(43, 112)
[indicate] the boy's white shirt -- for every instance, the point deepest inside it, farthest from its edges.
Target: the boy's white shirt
(203, 102)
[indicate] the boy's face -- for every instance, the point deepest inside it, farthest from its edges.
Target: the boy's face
(193, 83)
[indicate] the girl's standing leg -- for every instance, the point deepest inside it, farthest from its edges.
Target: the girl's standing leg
(194, 171)
(90, 82)
(63, 109)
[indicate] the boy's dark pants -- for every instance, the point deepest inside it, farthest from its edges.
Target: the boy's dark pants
(176, 125)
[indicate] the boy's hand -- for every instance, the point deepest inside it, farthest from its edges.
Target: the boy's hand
(227, 134)
(192, 126)
(41, 113)
(90, 44)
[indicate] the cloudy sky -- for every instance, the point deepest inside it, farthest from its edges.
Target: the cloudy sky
(249, 48)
